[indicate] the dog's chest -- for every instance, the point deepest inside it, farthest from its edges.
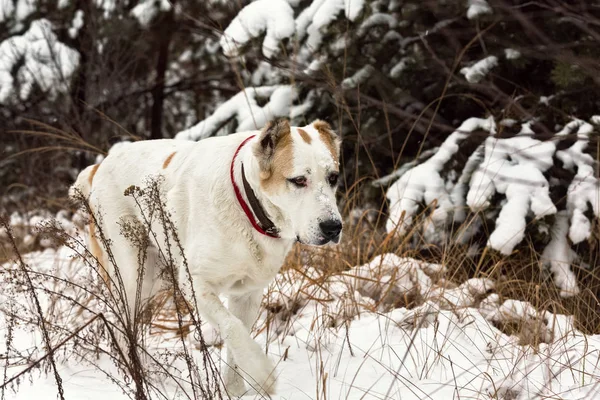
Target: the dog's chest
(250, 274)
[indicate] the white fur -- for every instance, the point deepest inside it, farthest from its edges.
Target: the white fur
(224, 253)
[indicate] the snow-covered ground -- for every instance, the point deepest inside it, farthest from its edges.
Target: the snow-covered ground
(337, 337)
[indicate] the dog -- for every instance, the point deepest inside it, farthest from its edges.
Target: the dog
(239, 203)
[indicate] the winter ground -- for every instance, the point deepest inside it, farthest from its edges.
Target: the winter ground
(334, 338)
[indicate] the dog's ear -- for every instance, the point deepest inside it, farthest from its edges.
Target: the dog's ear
(273, 134)
(331, 139)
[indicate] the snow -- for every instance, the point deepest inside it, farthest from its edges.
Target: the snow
(559, 256)
(377, 19)
(275, 18)
(108, 6)
(359, 77)
(265, 74)
(244, 107)
(584, 190)
(325, 338)
(464, 295)
(314, 65)
(458, 193)
(512, 54)
(513, 167)
(397, 69)
(545, 100)
(477, 8)
(300, 110)
(480, 69)
(7, 7)
(313, 20)
(23, 9)
(146, 10)
(76, 24)
(47, 62)
(424, 183)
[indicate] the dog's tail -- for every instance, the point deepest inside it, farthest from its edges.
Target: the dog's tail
(83, 183)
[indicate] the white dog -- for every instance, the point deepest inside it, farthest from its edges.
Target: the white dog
(238, 203)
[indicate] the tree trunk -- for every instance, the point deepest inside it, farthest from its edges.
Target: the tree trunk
(165, 33)
(79, 90)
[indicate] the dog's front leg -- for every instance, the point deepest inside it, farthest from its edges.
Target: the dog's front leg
(246, 309)
(248, 355)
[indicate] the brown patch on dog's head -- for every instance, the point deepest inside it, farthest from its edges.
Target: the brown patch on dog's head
(328, 137)
(93, 173)
(274, 152)
(304, 135)
(168, 160)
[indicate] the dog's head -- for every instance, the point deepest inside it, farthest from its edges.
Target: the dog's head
(299, 171)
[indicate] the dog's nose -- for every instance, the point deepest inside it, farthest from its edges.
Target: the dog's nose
(331, 228)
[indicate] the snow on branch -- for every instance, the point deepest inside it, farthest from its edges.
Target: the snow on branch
(558, 256)
(476, 72)
(315, 18)
(46, 62)
(585, 187)
(145, 11)
(7, 8)
(273, 17)
(359, 77)
(477, 8)
(375, 20)
(513, 167)
(517, 169)
(424, 183)
(244, 107)
(384, 180)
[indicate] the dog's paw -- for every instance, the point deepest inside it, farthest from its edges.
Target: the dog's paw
(256, 368)
(236, 388)
(234, 383)
(270, 384)
(263, 375)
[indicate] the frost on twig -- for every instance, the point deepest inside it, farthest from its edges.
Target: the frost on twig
(275, 18)
(513, 167)
(584, 190)
(424, 183)
(244, 107)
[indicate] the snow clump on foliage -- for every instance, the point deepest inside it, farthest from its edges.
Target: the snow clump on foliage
(505, 179)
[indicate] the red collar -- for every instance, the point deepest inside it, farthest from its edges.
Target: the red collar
(243, 204)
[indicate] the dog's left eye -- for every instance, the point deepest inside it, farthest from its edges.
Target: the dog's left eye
(333, 178)
(299, 181)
